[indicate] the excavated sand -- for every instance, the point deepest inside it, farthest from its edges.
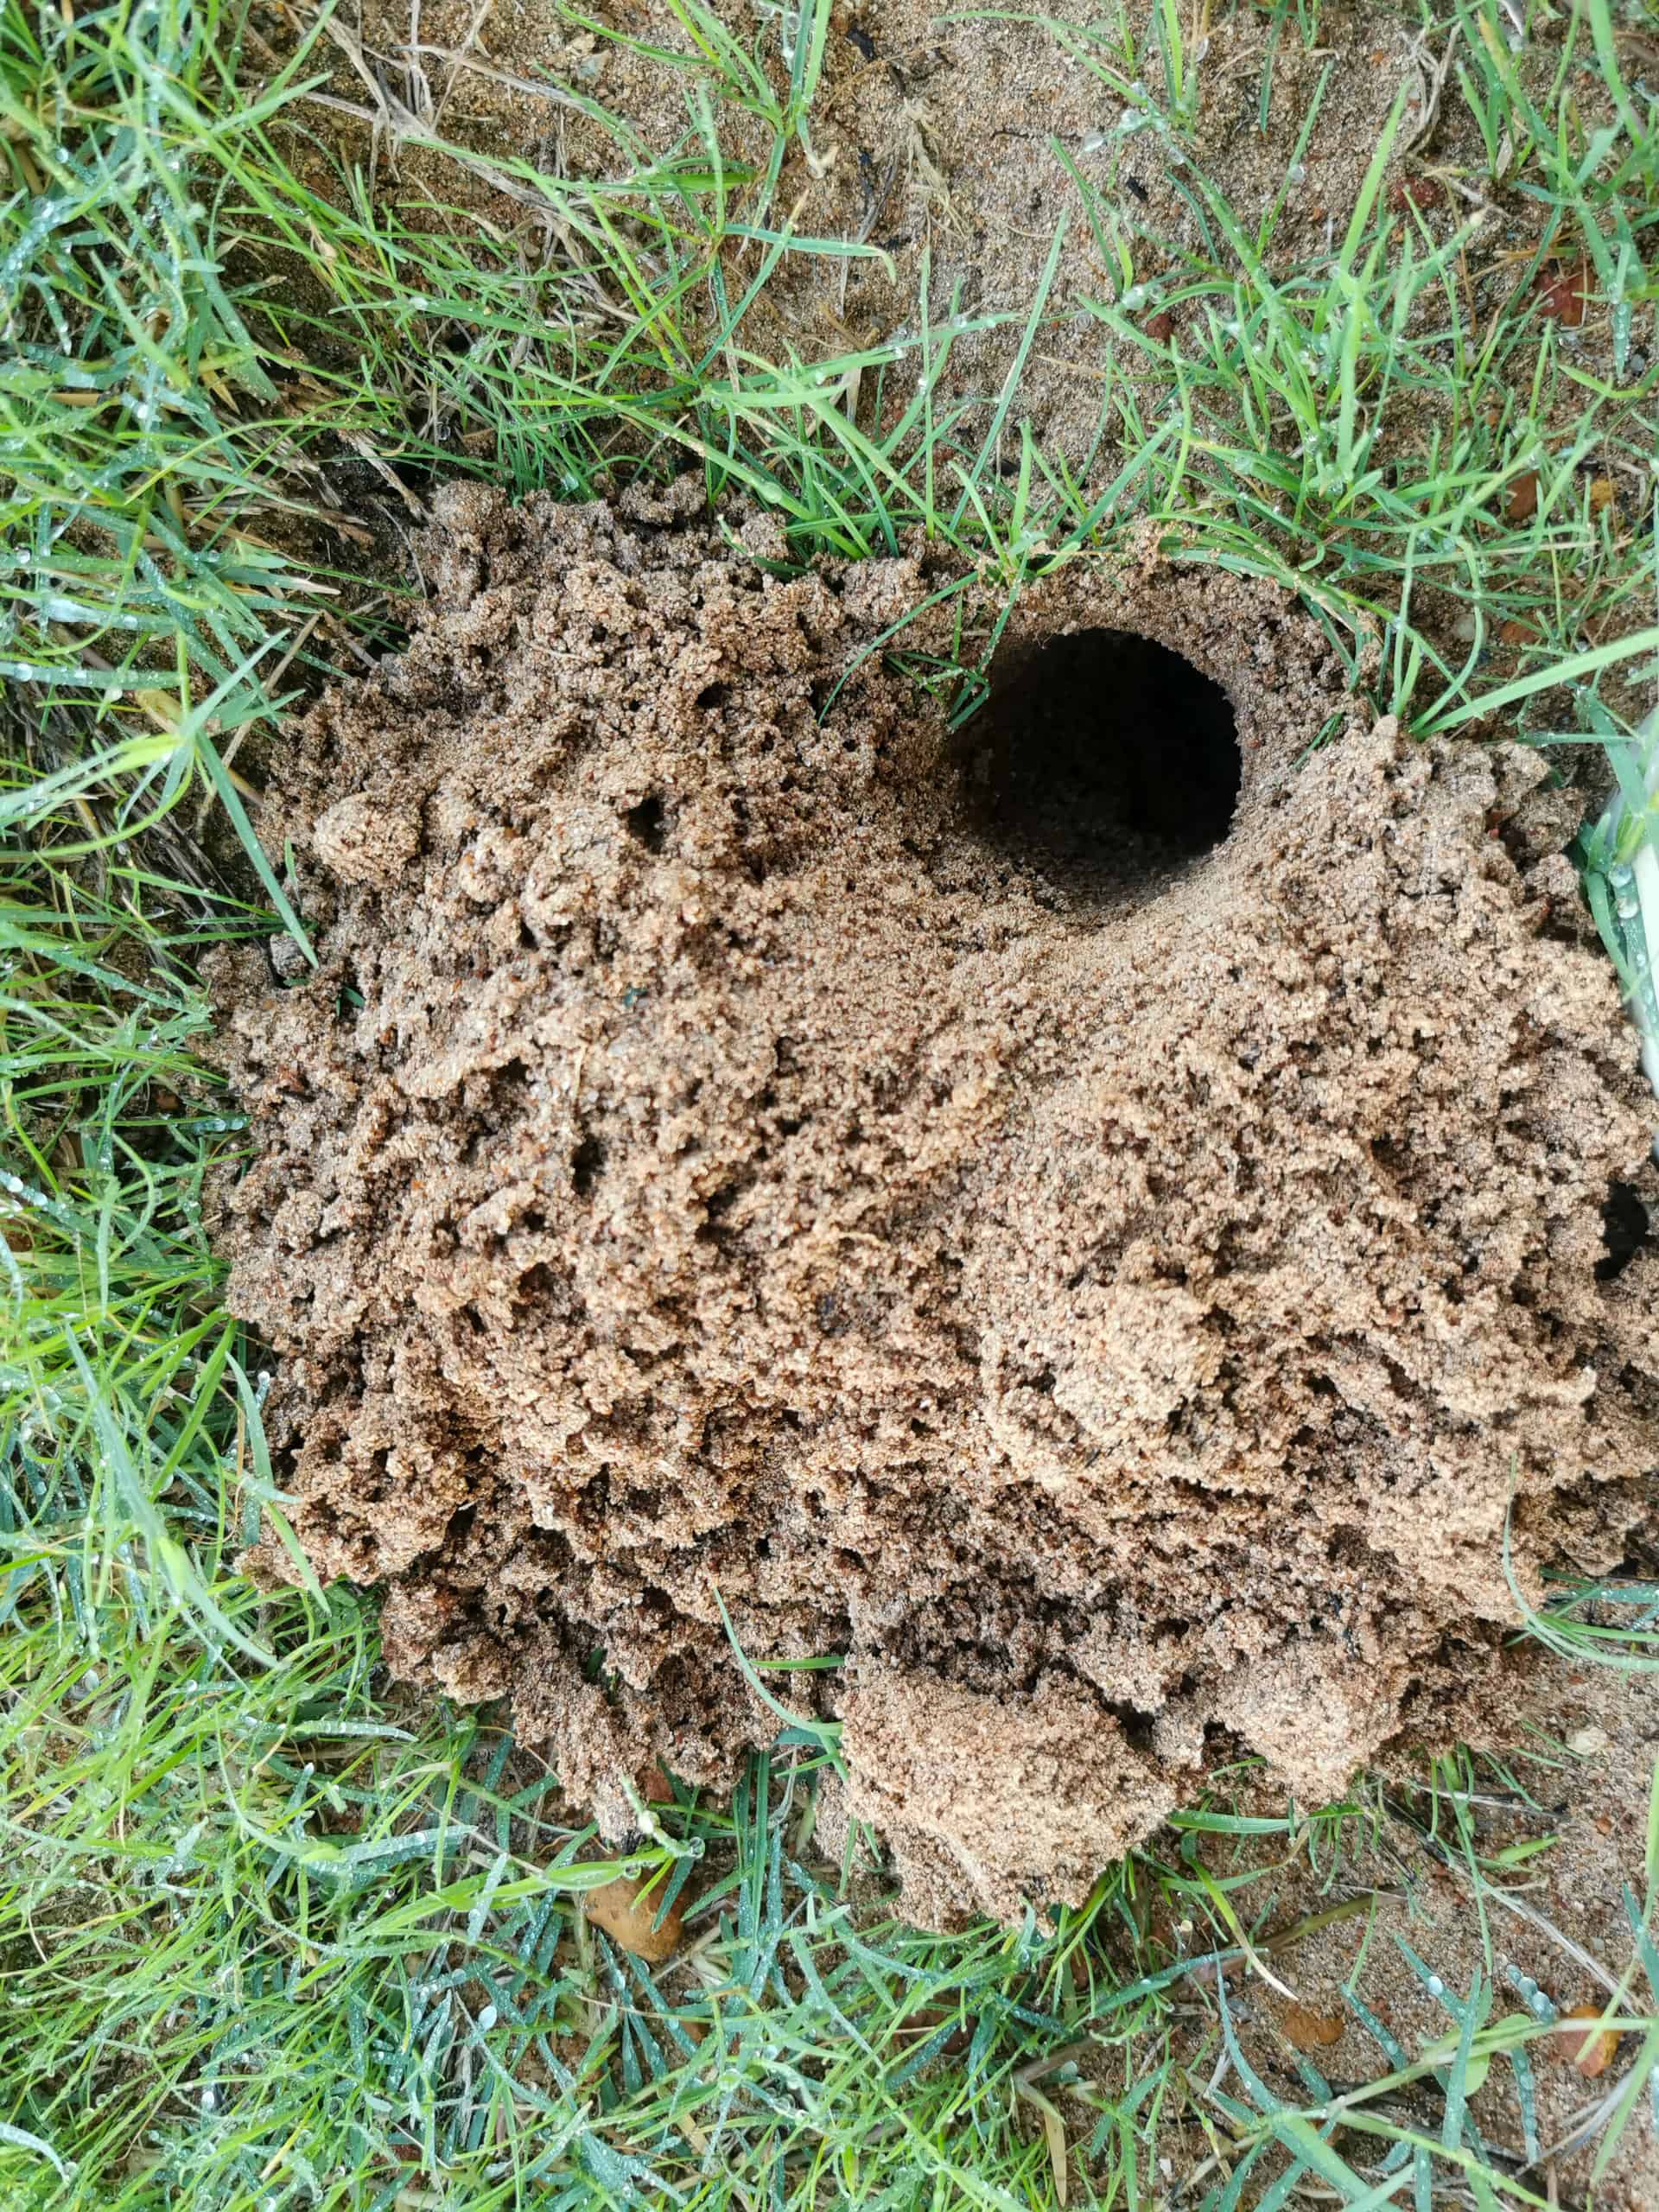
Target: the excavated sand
(745, 1144)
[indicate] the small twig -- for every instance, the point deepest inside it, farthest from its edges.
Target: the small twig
(480, 13)
(1431, 83)
(1589, 2124)
(1513, 1904)
(420, 90)
(460, 61)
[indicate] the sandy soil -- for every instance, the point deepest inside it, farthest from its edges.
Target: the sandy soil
(975, 1131)
(1104, 1261)
(957, 144)
(1332, 1912)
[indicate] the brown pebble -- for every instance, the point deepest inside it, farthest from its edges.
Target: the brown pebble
(1310, 2030)
(1415, 192)
(1523, 502)
(627, 1912)
(1158, 327)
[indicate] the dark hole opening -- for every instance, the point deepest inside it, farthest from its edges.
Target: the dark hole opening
(1102, 763)
(587, 1163)
(418, 475)
(1625, 1228)
(648, 822)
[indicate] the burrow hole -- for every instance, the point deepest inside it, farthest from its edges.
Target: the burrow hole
(1625, 1228)
(1102, 764)
(648, 822)
(587, 1165)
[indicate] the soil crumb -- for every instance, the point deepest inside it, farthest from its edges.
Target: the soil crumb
(1094, 1216)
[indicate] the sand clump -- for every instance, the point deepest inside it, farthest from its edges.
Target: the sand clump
(952, 1199)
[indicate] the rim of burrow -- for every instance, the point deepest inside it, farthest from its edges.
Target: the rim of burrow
(1253, 638)
(1240, 645)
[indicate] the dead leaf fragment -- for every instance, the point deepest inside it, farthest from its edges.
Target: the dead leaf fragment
(1158, 327)
(1308, 2030)
(627, 1912)
(1562, 293)
(1054, 2129)
(1580, 2043)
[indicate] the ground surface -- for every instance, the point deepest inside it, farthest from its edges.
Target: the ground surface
(749, 1164)
(273, 1934)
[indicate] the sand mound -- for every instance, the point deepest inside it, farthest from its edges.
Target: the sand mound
(956, 1198)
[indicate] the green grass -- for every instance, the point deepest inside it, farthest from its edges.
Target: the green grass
(270, 1936)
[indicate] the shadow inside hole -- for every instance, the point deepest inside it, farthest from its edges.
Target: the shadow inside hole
(648, 823)
(1625, 1228)
(1103, 763)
